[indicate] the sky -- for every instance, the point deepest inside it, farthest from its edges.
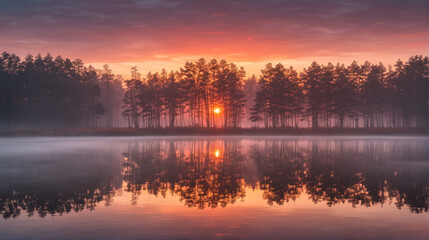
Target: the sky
(156, 34)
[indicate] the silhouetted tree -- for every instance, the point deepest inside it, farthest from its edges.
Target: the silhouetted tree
(131, 107)
(250, 87)
(172, 97)
(279, 97)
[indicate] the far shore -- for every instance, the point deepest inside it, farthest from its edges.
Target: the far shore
(212, 132)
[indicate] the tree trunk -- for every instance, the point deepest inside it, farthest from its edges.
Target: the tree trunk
(341, 119)
(314, 120)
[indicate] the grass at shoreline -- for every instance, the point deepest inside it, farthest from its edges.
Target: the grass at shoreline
(211, 131)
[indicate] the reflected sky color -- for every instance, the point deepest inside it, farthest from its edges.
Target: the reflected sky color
(214, 188)
(153, 34)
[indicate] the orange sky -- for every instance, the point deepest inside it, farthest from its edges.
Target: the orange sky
(156, 34)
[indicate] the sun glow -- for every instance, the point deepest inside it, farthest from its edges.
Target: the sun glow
(217, 153)
(216, 110)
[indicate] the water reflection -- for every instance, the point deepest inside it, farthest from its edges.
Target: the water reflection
(54, 181)
(204, 174)
(217, 173)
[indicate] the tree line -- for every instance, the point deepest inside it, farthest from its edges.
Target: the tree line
(201, 94)
(338, 95)
(216, 94)
(45, 92)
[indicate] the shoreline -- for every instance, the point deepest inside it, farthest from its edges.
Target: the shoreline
(216, 132)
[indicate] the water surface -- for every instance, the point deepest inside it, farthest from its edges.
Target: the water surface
(214, 188)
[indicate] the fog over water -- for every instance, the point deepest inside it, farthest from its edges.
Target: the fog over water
(214, 187)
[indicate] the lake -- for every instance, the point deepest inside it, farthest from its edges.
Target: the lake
(214, 188)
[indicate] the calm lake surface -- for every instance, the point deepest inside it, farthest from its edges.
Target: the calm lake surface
(214, 188)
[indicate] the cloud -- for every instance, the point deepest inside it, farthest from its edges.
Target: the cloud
(242, 30)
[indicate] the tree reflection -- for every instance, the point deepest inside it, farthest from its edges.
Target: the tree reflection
(45, 185)
(282, 169)
(55, 204)
(366, 174)
(213, 173)
(209, 173)
(203, 174)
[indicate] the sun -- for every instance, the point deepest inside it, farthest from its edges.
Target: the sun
(216, 110)
(217, 153)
